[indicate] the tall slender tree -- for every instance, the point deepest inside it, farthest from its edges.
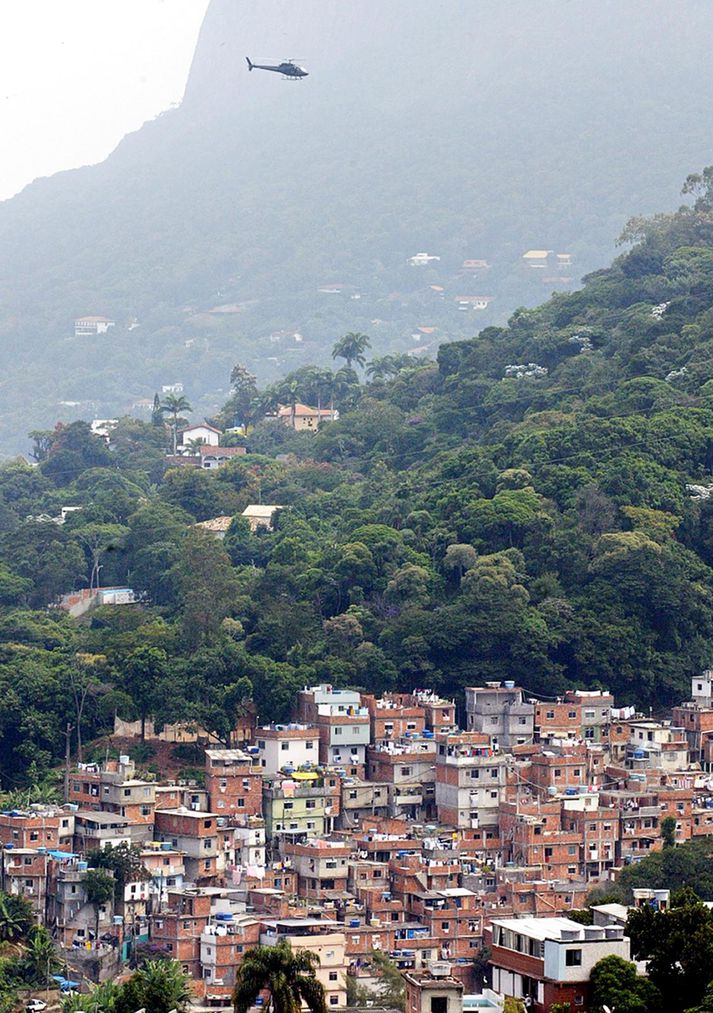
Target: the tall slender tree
(244, 388)
(175, 406)
(352, 348)
(99, 886)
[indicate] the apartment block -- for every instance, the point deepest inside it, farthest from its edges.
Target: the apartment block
(322, 866)
(501, 711)
(196, 835)
(470, 780)
(408, 767)
(319, 936)
(544, 961)
(393, 716)
(233, 782)
(285, 747)
(298, 809)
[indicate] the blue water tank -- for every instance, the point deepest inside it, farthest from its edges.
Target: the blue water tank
(224, 916)
(354, 923)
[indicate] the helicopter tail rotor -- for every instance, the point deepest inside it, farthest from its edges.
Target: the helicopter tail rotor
(250, 64)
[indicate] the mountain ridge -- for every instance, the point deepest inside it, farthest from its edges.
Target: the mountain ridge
(416, 130)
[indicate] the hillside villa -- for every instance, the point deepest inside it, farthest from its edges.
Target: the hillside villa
(89, 327)
(303, 418)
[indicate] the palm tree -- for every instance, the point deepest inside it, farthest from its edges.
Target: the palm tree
(289, 977)
(194, 446)
(175, 406)
(40, 957)
(16, 918)
(388, 365)
(264, 403)
(102, 997)
(352, 348)
(289, 391)
(162, 985)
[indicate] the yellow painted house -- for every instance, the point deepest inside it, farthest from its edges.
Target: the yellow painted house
(305, 419)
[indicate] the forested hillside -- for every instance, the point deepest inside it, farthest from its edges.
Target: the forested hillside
(261, 208)
(521, 509)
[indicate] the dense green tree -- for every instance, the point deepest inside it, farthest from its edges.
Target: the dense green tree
(206, 586)
(99, 887)
(615, 984)
(123, 861)
(243, 396)
(145, 680)
(706, 1004)
(159, 986)
(689, 865)
(677, 945)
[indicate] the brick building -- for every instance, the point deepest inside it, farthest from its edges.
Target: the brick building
(233, 783)
(393, 716)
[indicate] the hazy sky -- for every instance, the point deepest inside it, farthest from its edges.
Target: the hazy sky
(76, 75)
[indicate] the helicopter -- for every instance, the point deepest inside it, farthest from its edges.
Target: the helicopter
(289, 69)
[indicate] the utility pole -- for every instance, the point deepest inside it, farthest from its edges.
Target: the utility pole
(67, 758)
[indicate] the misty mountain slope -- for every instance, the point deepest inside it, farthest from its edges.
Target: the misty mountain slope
(474, 130)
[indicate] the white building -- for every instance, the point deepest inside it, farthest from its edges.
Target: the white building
(343, 724)
(549, 960)
(422, 259)
(656, 744)
(470, 781)
(292, 745)
(103, 427)
(249, 844)
(201, 431)
(90, 327)
(702, 689)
